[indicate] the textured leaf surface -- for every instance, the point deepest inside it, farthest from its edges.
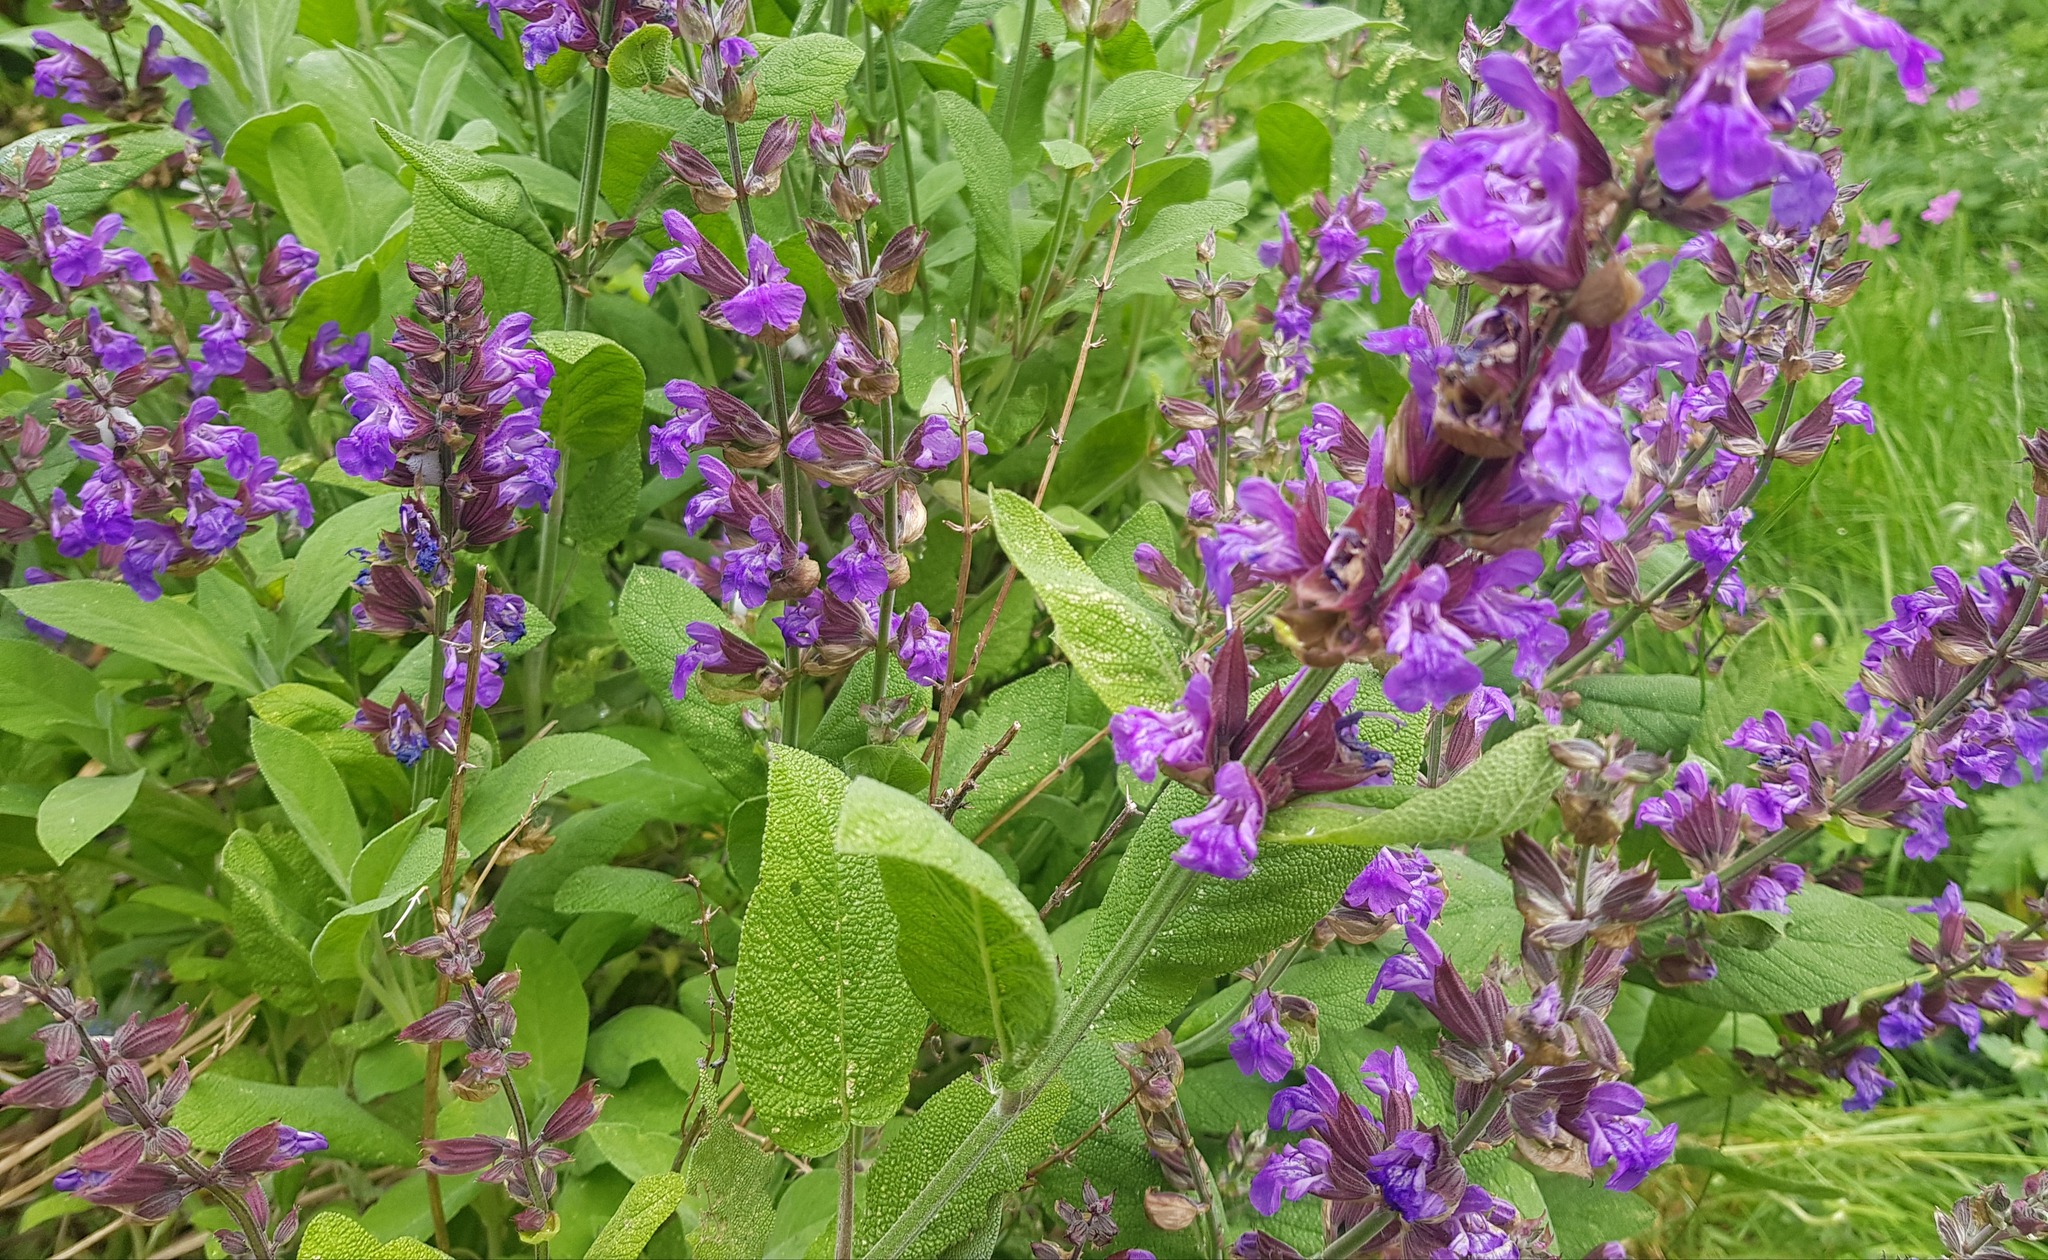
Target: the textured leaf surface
(1223, 925)
(1479, 921)
(1136, 102)
(971, 945)
(164, 631)
(1294, 151)
(654, 609)
(986, 163)
(1112, 560)
(324, 567)
(306, 785)
(1835, 946)
(619, 890)
(1124, 655)
(594, 403)
(735, 1176)
(1037, 703)
(1659, 712)
(542, 769)
(1507, 788)
(554, 1019)
(917, 1150)
(76, 810)
(465, 205)
(825, 1028)
(81, 187)
(641, 59)
(648, 1205)
(842, 729)
(1585, 1215)
(221, 1108)
(276, 904)
(332, 1236)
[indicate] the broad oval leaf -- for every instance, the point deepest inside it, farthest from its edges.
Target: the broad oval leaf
(986, 163)
(76, 810)
(1508, 788)
(825, 1028)
(306, 785)
(166, 631)
(1835, 947)
(594, 404)
(970, 944)
(647, 1207)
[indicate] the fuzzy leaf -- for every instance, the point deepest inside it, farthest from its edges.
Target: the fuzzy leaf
(554, 1020)
(1508, 788)
(986, 164)
(277, 895)
(1294, 151)
(648, 1205)
(1125, 655)
(1037, 704)
(332, 1236)
(736, 1178)
(541, 769)
(825, 1028)
(917, 1149)
(221, 1108)
(1659, 712)
(642, 1034)
(325, 566)
(595, 402)
(641, 59)
(166, 631)
(643, 894)
(306, 785)
(1835, 947)
(1136, 102)
(82, 188)
(970, 944)
(76, 810)
(465, 205)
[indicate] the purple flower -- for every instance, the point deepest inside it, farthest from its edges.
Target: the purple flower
(1309, 1105)
(1582, 447)
(1386, 1077)
(1809, 30)
(1259, 1043)
(922, 646)
(1616, 1132)
(70, 73)
(860, 573)
(750, 571)
(937, 445)
(1400, 883)
(1410, 973)
(400, 731)
(79, 260)
(521, 457)
(1867, 1083)
(385, 417)
(1296, 1169)
(298, 1143)
(157, 65)
(1903, 1022)
(1433, 669)
(1403, 1172)
(707, 651)
(768, 299)
(1178, 740)
(1223, 839)
(223, 344)
(1717, 136)
(1968, 98)
(490, 681)
(214, 523)
(1943, 208)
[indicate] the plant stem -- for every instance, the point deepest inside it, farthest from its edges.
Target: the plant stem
(524, 1131)
(842, 1246)
(949, 694)
(1268, 976)
(538, 104)
(902, 124)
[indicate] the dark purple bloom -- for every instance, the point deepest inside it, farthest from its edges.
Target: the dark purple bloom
(400, 731)
(1404, 1172)
(1223, 839)
(1616, 1132)
(1867, 1082)
(1433, 669)
(1411, 973)
(1297, 1169)
(80, 260)
(1177, 740)
(1259, 1043)
(1903, 1022)
(1309, 1105)
(937, 445)
(70, 73)
(860, 573)
(490, 680)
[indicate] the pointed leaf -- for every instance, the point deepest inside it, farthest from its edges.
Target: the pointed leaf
(76, 810)
(1506, 789)
(986, 164)
(166, 631)
(306, 785)
(648, 1206)
(736, 1178)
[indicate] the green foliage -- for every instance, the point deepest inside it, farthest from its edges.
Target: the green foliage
(76, 810)
(971, 946)
(1507, 789)
(986, 166)
(465, 205)
(1835, 946)
(332, 1236)
(650, 1202)
(824, 1024)
(736, 1178)
(594, 408)
(166, 632)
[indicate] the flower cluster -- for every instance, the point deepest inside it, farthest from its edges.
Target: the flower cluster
(1980, 1224)
(148, 1165)
(554, 26)
(71, 74)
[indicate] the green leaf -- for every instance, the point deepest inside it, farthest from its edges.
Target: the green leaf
(595, 403)
(325, 566)
(893, 764)
(332, 1236)
(1113, 561)
(44, 692)
(221, 1108)
(642, 1034)
(554, 1020)
(1479, 922)
(1743, 1173)
(641, 59)
(1659, 712)
(257, 32)
(278, 899)
(538, 771)
(825, 1028)
(648, 1205)
(1137, 102)
(1037, 704)
(655, 607)
(398, 862)
(1124, 655)
(1066, 155)
(986, 163)
(798, 77)
(1223, 925)
(306, 785)
(1672, 1029)
(643, 894)
(439, 79)
(250, 148)
(81, 188)
(76, 810)
(1294, 151)
(165, 631)
(1286, 29)
(916, 1151)
(1585, 1216)
(970, 944)
(737, 1179)
(201, 39)
(465, 205)
(1128, 51)
(1835, 947)
(1508, 788)
(310, 188)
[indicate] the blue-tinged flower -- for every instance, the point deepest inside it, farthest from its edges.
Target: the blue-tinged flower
(223, 343)
(511, 369)
(157, 65)
(714, 650)
(400, 731)
(214, 523)
(1581, 447)
(387, 416)
(923, 647)
(1433, 669)
(1868, 1084)
(79, 260)
(1615, 1131)
(1414, 973)
(520, 457)
(768, 299)
(860, 573)
(1405, 1171)
(1178, 740)
(1296, 1169)
(1805, 31)
(1259, 1043)
(148, 553)
(1399, 883)
(1308, 1105)
(934, 444)
(1223, 839)
(1903, 1022)
(72, 74)
(1386, 1076)
(506, 615)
